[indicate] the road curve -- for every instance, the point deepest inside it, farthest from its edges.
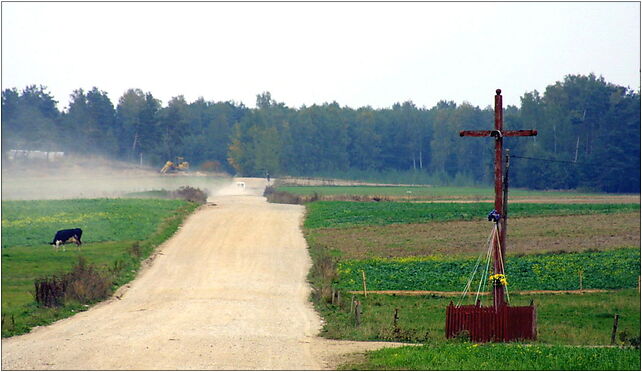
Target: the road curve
(228, 291)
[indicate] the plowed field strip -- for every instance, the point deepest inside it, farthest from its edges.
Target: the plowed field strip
(527, 235)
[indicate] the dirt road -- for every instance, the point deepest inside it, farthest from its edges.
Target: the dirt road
(228, 291)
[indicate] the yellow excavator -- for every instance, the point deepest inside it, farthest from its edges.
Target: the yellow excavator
(180, 165)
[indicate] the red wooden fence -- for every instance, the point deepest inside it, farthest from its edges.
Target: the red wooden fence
(484, 323)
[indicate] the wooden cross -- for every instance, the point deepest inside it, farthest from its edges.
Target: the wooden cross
(499, 245)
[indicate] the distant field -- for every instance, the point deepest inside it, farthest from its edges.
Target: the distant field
(447, 193)
(69, 184)
(151, 194)
(332, 214)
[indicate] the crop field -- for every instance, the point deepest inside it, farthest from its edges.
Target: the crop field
(527, 235)
(428, 193)
(434, 247)
(328, 214)
(613, 269)
(111, 229)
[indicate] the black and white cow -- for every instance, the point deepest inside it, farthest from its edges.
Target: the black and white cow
(65, 236)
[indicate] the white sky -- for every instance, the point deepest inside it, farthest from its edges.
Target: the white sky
(357, 54)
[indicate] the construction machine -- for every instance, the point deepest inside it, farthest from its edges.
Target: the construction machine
(180, 165)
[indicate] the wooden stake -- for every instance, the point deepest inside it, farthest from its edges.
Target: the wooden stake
(352, 304)
(396, 318)
(580, 272)
(357, 313)
(365, 291)
(615, 321)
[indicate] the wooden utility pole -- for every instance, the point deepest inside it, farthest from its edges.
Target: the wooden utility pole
(504, 212)
(499, 245)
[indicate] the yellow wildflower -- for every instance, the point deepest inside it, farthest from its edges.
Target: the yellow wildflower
(499, 279)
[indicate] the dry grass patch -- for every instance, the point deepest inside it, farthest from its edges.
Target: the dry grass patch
(465, 238)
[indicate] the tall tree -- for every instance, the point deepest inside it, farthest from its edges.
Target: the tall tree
(30, 120)
(129, 112)
(138, 136)
(103, 115)
(365, 143)
(173, 127)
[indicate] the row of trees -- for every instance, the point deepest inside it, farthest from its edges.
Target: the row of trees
(139, 124)
(589, 135)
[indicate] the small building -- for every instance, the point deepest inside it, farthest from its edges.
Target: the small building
(34, 155)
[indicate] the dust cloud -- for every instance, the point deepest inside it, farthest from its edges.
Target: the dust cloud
(93, 177)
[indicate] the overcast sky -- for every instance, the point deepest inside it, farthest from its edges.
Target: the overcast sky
(357, 54)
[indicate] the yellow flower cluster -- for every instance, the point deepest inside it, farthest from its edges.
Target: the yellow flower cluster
(498, 279)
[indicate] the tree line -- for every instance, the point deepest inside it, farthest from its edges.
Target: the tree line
(589, 135)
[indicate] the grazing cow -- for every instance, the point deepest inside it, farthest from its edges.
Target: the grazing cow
(66, 236)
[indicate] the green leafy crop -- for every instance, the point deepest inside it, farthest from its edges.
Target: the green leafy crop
(331, 214)
(612, 269)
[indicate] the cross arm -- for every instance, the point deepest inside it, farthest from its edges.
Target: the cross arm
(519, 133)
(475, 133)
(496, 133)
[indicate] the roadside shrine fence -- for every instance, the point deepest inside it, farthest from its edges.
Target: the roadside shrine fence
(485, 323)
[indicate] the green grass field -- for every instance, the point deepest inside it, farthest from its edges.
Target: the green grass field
(329, 214)
(34, 222)
(563, 319)
(110, 228)
(500, 357)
